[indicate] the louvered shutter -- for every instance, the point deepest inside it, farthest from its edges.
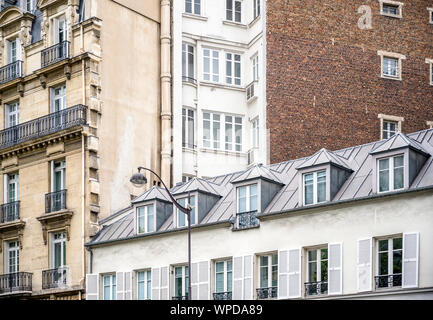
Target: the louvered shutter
(203, 280)
(294, 273)
(238, 278)
(248, 278)
(335, 268)
(128, 285)
(410, 260)
(194, 281)
(8, 52)
(156, 273)
(120, 285)
(364, 264)
(56, 31)
(164, 283)
(18, 48)
(283, 274)
(92, 287)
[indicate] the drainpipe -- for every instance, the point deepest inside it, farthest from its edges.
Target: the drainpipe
(90, 259)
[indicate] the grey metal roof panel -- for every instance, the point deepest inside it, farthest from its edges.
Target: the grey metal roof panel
(324, 156)
(196, 184)
(399, 140)
(154, 193)
(255, 172)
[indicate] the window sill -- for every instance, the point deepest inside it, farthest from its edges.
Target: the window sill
(391, 78)
(224, 152)
(254, 21)
(235, 24)
(391, 15)
(222, 86)
(194, 16)
(189, 150)
(189, 83)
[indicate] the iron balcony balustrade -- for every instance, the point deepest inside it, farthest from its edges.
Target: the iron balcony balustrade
(11, 71)
(55, 278)
(56, 53)
(19, 282)
(316, 288)
(388, 281)
(222, 295)
(267, 293)
(54, 122)
(246, 220)
(180, 297)
(10, 212)
(55, 201)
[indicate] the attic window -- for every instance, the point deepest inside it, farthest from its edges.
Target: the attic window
(247, 198)
(181, 218)
(391, 173)
(314, 187)
(391, 8)
(145, 219)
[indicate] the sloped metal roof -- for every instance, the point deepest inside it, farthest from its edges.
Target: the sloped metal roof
(256, 172)
(324, 156)
(154, 193)
(357, 186)
(398, 141)
(197, 184)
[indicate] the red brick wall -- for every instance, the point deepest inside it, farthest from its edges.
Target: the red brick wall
(324, 88)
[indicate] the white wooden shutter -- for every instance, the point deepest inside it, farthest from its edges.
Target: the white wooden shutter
(364, 265)
(128, 285)
(294, 273)
(8, 52)
(55, 31)
(18, 48)
(156, 277)
(120, 285)
(335, 268)
(92, 287)
(410, 260)
(194, 281)
(203, 280)
(5, 188)
(238, 278)
(52, 175)
(283, 274)
(164, 283)
(248, 278)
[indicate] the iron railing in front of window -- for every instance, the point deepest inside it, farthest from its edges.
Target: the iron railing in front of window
(56, 53)
(245, 220)
(56, 121)
(267, 293)
(316, 288)
(251, 90)
(55, 278)
(189, 79)
(15, 282)
(11, 71)
(222, 295)
(55, 201)
(180, 297)
(388, 281)
(10, 212)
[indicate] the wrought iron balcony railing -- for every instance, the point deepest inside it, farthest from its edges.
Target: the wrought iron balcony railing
(15, 282)
(55, 201)
(245, 220)
(189, 79)
(56, 278)
(56, 53)
(10, 212)
(222, 295)
(316, 288)
(180, 297)
(11, 71)
(267, 293)
(388, 281)
(56, 121)
(251, 90)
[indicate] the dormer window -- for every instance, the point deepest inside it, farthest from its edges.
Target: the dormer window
(391, 173)
(314, 187)
(145, 219)
(247, 198)
(181, 218)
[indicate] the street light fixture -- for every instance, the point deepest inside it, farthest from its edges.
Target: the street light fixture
(138, 180)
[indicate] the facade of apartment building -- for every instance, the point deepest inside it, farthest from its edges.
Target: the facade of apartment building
(219, 115)
(341, 73)
(350, 224)
(78, 79)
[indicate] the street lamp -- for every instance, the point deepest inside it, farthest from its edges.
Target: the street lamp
(138, 180)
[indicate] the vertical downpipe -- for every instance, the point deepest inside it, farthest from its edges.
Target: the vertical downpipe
(83, 174)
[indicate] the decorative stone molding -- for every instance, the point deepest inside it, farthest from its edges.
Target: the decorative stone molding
(67, 70)
(55, 221)
(58, 147)
(12, 230)
(43, 80)
(20, 89)
(9, 161)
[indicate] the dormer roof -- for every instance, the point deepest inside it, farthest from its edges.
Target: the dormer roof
(324, 156)
(197, 184)
(154, 193)
(399, 141)
(257, 172)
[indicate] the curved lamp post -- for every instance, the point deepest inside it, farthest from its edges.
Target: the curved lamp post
(138, 179)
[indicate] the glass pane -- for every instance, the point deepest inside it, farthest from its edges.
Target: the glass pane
(324, 270)
(312, 272)
(220, 282)
(397, 243)
(308, 194)
(398, 178)
(264, 277)
(57, 255)
(150, 219)
(141, 290)
(324, 254)
(383, 181)
(219, 266)
(188, 6)
(383, 164)
(229, 266)
(312, 255)
(397, 262)
(383, 245)
(274, 276)
(383, 263)
(398, 161)
(229, 280)
(106, 292)
(321, 192)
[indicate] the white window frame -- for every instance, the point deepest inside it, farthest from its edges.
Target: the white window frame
(387, 130)
(269, 271)
(255, 133)
(60, 26)
(145, 215)
(62, 169)
(397, 4)
(430, 15)
(255, 63)
(214, 73)
(318, 263)
(390, 256)
(389, 118)
(16, 250)
(430, 124)
(233, 19)
(186, 178)
(231, 59)
(186, 76)
(193, 3)
(186, 128)
(391, 172)
(11, 179)
(147, 277)
(28, 5)
(225, 274)
(315, 173)
(220, 143)
(247, 196)
(112, 285)
(391, 55)
(256, 9)
(60, 97)
(184, 283)
(430, 63)
(13, 50)
(9, 113)
(194, 211)
(62, 241)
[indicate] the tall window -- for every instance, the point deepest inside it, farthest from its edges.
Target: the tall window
(314, 187)
(58, 175)
(268, 269)
(223, 276)
(212, 124)
(28, 5)
(188, 63)
(13, 50)
(58, 98)
(211, 65)
(188, 140)
(256, 8)
(180, 282)
(12, 188)
(317, 271)
(145, 219)
(247, 198)
(389, 257)
(182, 219)
(59, 30)
(389, 129)
(255, 132)
(58, 250)
(234, 10)
(109, 282)
(390, 67)
(144, 285)
(193, 6)
(256, 68)
(391, 173)
(12, 114)
(12, 259)
(233, 69)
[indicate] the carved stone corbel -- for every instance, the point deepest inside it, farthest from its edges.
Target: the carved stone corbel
(67, 228)
(20, 89)
(45, 233)
(68, 71)
(20, 237)
(43, 80)
(1, 243)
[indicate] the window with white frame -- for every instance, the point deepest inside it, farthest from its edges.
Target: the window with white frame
(11, 188)
(193, 6)
(430, 15)
(58, 250)
(12, 114)
(211, 65)
(144, 285)
(268, 271)
(255, 62)
(234, 10)
(391, 8)
(212, 124)
(58, 173)
(389, 129)
(58, 98)
(233, 68)
(145, 219)
(109, 287)
(188, 63)
(186, 178)
(12, 257)
(223, 277)
(256, 8)
(430, 67)
(247, 198)
(389, 262)
(13, 50)
(317, 271)
(255, 133)
(390, 67)
(390, 175)
(314, 187)
(181, 282)
(182, 219)
(188, 128)
(28, 5)
(60, 31)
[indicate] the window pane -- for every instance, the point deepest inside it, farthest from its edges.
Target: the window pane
(383, 181)
(150, 219)
(398, 178)
(242, 199)
(229, 281)
(383, 245)
(383, 263)
(312, 272)
(188, 6)
(220, 282)
(397, 243)
(396, 262)
(308, 193)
